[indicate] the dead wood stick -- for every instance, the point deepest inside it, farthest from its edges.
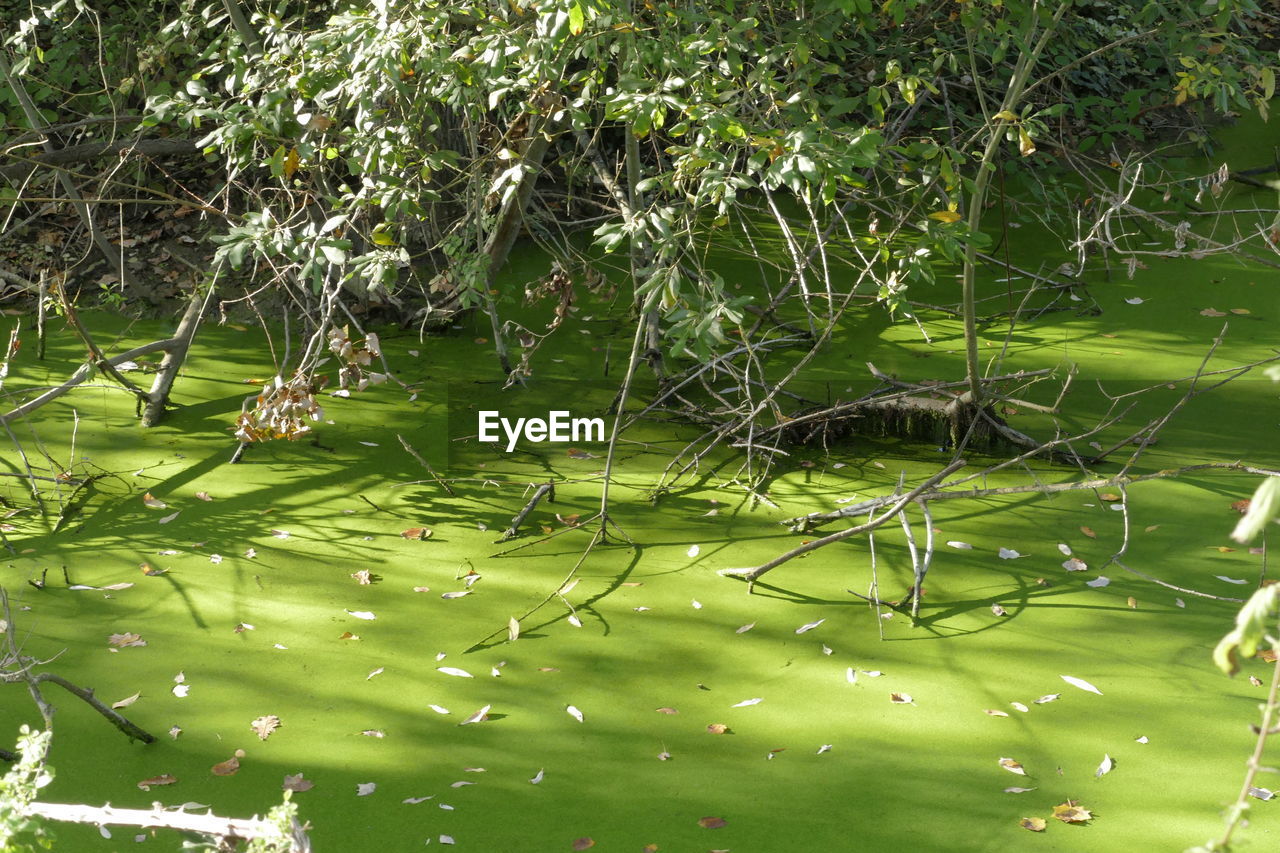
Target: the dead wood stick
(80, 376)
(99, 360)
(546, 489)
(425, 464)
(131, 730)
(153, 412)
(753, 574)
(207, 824)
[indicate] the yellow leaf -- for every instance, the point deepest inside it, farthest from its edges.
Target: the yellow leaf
(1071, 812)
(291, 162)
(1035, 824)
(947, 216)
(381, 236)
(1025, 146)
(1005, 115)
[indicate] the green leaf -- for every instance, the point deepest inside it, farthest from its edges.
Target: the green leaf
(1263, 508)
(333, 254)
(577, 19)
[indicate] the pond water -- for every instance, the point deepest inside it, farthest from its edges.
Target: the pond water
(261, 611)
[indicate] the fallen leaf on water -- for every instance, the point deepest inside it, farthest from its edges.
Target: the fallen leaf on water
(439, 709)
(181, 690)
(963, 546)
(1107, 765)
(1018, 790)
(1135, 300)
(418, 533)
(413, 801)
(1223, 549)
(1239, 310)
(1012, 766)
(453, 595)
(537, 778)
(998, 610)
(1065, 549)
(126, 702)
(1268, 655)
(575, 453)
(226, 768)
(901, 699)
(263, 726)
(1132, 602)
(717, 729)
(711, 822)
(162, 779)
(362, 614)
(1008, 554)
(1142, 739)
(1075, 564)
(573, 712)
(152, 502)
(453, 670)
(827, 650)
(745, 702)
(378, 733)
(1081, 683)
(1035, 824)
(280, 534)
(364, 789)
(667, 711)
(664, 756)
(1151, 528)
(1229, 580)
(1071, 812)
(826, 747)
(478, 717)
(995, 713)
(569, 520)
(168, 518)
(1109, 496)
(1242, 506)
(1212, 312)
(583, 844)
(124, 640)
(1018, 706)
(1047, 698)
(347, 635)
(174, 731)
(1088, 531)
(1255, 681)
(809, 626)
(1098, 582)
(297, 783)
(1262, 793)
(215, 558)
(693, 551)
(745, 628)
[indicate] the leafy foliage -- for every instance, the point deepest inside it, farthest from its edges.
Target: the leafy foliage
(19, 831)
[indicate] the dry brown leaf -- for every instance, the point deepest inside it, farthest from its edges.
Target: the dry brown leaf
(1268, 655)
(1071, 812)
(718, 728)
(999, 610)
(1239, 310)
(418, 533)
(347, 635)
(583, 844)
(162, 779)
(995, 713)
(1241, 506)
(1212, 312)
(1255, 681)
(1088, 531)
(297, 783)
(1109, 496)
(226, 768)
(1012, 766)
(153, 502)
(569, 520)
(126, 702)
(1035, 824)
(362, 577)
(668, 711)
(204, 496)
(901, 699)
(711, 822)
(265, 725)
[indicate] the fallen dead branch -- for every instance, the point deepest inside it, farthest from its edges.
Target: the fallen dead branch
(226, 830)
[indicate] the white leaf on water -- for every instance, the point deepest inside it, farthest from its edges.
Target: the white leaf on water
(446, 839)
(1081, 683)
(826, 650)
(1229, 580)
(1047, 698)
(573, 712)
(1018, 706)
(574, 620)
(1105, 767)
(413, 801)
(495, 672)
(745, 702)
(461, 784)
(1012, 766)
(364, 789)
(809, 626)
(451, 595)
(1179, 602)
(1018, 790)
(170, 517)
(1075, 564)
(1142, 739)
(362, 614)
(439, 709)
(440, 656)
(745, 628)
(280, 534)
(369, 443)
(215, 558)
(478, 717)
(537, 777)
(453, 670)
(1098, 582)
(963, 546)
(1262, 793)
(872, 673)
(851, 675)
(697, 605)
(693, 550)
(1065, 549)
(1008, 554)
(1135, 300)
(642, 609)
(372, 673)
(181, 690)
(826, 747)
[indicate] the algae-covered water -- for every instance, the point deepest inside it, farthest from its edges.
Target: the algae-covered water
(600, 729)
